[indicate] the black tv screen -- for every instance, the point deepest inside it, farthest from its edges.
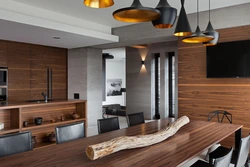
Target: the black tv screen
(229, 60)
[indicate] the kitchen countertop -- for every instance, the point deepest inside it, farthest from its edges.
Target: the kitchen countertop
(15, 104)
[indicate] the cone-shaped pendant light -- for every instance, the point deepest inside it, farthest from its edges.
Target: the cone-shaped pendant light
(136, 13)
(197, 36)
(210, 31)
(182, 28)
(98, 3)
(168, 15)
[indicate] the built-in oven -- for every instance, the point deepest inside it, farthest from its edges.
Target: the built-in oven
(3, 83)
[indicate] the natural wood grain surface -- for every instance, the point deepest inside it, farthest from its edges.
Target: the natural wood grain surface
(3, 54)
(27, 64)
(187, 143)
(13, 114)
(198, 95)
(10, 105)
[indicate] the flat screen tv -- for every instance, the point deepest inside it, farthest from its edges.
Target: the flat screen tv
(229, 60)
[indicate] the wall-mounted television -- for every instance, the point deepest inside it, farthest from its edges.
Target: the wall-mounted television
(229, 60)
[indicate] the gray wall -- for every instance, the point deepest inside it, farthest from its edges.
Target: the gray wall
(139, 78)
(85, 78)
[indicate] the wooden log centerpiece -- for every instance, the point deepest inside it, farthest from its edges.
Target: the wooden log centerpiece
(129, 142)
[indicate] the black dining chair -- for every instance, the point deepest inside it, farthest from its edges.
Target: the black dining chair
(15, 143)
(218, 162)
(238, 159)
(108, 124)
(135, 119)
(69, 132)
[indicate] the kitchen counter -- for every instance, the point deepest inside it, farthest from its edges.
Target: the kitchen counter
(11, 105)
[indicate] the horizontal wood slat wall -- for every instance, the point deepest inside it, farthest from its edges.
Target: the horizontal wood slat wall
(27, 70)
(199, 95)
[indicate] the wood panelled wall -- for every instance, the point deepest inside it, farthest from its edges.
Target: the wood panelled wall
(27, 70)
(199, 95)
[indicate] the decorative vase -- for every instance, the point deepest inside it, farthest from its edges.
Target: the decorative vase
(75, 116)
(38, 120)
(51, 137)
(34, 141)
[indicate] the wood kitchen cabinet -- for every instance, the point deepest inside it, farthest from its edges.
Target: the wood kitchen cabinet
(3, 54)
(43, 58)
(18, 62)
(27, 70)
(14, 114)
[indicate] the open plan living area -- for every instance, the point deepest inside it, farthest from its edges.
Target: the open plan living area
(124, 83)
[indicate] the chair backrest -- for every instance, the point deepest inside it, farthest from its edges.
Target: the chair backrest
(243, 152)
(224, 161)
(135, 119)
(108, 124)
(69, 132)
(15, 143)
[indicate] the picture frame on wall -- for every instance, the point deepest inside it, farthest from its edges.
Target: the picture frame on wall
(114, 87)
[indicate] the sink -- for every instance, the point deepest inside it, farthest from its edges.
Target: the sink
(39, 101)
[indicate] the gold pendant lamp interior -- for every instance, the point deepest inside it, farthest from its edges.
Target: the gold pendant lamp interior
(197, 36)
(136, 13)
(98, 3)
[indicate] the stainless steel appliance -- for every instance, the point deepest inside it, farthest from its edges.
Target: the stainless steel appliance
(3, 84)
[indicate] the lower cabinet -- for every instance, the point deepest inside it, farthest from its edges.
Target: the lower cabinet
(22, 118)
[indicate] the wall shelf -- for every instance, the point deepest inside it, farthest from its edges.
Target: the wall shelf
(8, 130)
(49, 124)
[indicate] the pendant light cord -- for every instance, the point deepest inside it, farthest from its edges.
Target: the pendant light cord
(198, 12)
(209, 10)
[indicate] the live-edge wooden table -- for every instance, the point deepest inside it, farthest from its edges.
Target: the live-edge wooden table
(188, 142)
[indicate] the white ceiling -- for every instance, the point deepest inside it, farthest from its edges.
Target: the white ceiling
(38, 21)
(76, 8)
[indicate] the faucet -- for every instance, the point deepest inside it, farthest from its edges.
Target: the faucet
(45, 97)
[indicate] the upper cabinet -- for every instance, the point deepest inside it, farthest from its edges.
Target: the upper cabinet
(27, 70)
(43, 58)
(18, 71)
(3, 54)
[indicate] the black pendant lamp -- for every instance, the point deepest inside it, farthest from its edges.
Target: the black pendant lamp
(168, 15)
(98, 3)
(136, 13)
(197, 36)
(182, 28)
(210, 31)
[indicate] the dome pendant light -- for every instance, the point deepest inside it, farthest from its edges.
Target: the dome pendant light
(168, 15)
(136, 13)
(182, 28)
(198, 36)
(98, 3)
(210, 31)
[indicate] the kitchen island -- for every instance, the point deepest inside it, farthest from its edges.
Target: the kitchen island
(54, 113)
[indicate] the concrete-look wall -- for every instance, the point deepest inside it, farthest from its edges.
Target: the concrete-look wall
(139, 78)
(85, 78)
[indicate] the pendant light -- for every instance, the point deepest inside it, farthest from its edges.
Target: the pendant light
(168, 15)
(182, 28)
(210, 31)
(136, 13)
(197, 36)
(98, 3)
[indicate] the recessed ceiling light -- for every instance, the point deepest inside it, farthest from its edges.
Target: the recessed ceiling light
(57, 37)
